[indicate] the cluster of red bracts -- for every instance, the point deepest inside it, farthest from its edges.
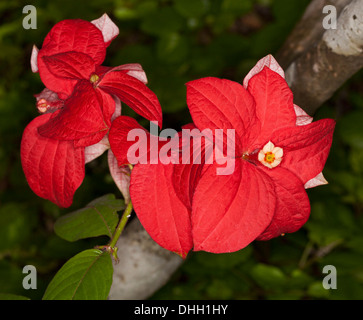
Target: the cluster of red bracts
(78, 105)
(279, 151)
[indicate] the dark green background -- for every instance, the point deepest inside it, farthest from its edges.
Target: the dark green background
(177, 41)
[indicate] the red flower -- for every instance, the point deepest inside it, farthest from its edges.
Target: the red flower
(278, 153)
(78, 102)
(69, 64)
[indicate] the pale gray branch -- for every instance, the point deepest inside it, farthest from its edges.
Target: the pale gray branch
(316, 74)
(144, 266)
(307, 32)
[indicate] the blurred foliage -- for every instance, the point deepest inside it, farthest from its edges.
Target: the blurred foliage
(177, 41)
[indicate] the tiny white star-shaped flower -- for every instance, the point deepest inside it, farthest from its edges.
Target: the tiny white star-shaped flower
(270, 156)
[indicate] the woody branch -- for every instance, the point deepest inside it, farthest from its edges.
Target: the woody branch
(326, 65)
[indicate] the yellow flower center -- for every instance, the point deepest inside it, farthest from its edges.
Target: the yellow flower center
(94, 78)
(42, 105)
(269, 157)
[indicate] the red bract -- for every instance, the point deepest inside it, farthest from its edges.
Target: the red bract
(54, 169)
(278, 153)
(79, 102)
(69, 64)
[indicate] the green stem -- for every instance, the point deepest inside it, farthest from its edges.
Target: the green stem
(111, 247)
(121, 225)
(305, 255)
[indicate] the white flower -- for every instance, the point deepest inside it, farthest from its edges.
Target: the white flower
(270, 156)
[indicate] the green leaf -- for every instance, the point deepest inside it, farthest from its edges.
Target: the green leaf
(11, 277)
(98, 218)
(172, 48)
(191, 8)
(223, 261)
(9, 296)
(350, 130)
(348, 288)
(299, 280)
(173, 98)
(356, 244)
(316, 290)
(237, 7)
(237, 47)
(268, 277)
(125, 13)
(146, 7)
(221, 22)
(16, 223)
(287, 12)
(219, 289)
(86, 276)
(356, 162)
(161, 22)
